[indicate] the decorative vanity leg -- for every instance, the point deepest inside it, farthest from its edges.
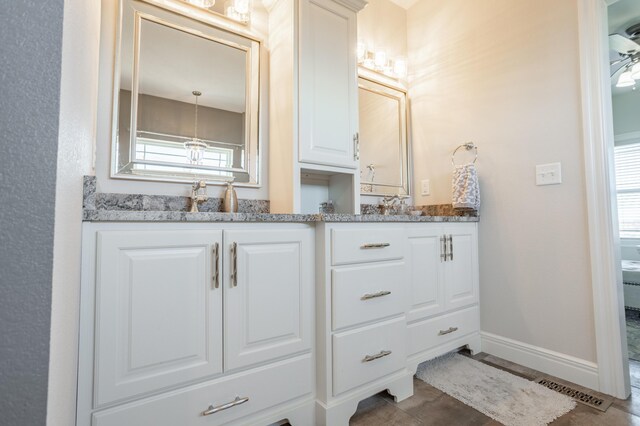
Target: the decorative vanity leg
(402, 388)
(474, 345)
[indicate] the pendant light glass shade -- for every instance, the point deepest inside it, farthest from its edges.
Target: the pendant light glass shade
(625, 80)
(635, 71)
(195, 147)
(205, 4)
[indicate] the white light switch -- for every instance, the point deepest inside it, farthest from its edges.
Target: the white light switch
(548, 174)
(426, 187)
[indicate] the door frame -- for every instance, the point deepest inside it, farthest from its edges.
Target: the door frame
(604, 238)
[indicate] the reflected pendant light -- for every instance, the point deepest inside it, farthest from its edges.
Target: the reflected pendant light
(195, 147)
(205, 4)
(625, 79)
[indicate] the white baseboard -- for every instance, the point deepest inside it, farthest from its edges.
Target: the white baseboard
(567, 367)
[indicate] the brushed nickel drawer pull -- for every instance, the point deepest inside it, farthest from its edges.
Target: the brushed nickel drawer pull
(374, 295)
(374, 245)
(216, 268)
(234, 265)
(370, 358)
(212, 410)
(450, 330)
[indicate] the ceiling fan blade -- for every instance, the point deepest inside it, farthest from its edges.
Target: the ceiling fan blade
(623, 45)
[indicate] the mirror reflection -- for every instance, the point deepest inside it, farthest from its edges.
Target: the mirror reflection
(383, 139)
(187, 102)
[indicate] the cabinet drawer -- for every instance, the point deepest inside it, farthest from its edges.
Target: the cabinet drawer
(265, 387)
(366, 245)
(352, 349)
(367, 292)
(428, 334)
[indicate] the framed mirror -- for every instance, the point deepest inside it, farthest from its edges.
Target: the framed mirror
(186, 99)
(384, 153)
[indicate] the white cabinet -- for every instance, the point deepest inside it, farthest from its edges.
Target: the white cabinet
(267, 291)
(313, 127)
(443, 268)
(328, 84)
(158, 313)
(179, 317)
(443, 275)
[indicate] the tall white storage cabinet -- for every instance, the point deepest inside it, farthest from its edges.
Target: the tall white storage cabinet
(313, 105)
(196, 324)
(328, 84)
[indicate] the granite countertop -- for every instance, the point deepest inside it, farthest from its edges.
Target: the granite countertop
(181, 216)
(107, 207)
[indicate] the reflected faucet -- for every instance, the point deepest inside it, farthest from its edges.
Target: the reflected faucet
(387, 203)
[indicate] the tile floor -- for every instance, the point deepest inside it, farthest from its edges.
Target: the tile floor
(429, 406)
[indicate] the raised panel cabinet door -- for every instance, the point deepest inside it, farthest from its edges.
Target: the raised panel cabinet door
(158, 311)
(461, 268)
(425, 267)
(267, 295)
(328, 84)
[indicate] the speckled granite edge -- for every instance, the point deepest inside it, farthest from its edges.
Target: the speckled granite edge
(178, 216)
(157, 203)
(107, 207)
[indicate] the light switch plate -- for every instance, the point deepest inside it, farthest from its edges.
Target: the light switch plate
(426, 187)
(549, 174)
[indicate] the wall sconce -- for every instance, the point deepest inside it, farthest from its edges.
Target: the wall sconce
(378, 61)
(238, 10)
(205, 4)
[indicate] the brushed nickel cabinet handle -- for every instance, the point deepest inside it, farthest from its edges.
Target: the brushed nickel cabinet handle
(374, 295)
(212, 410)
(443, 248)
(370, 358)
(450, 247)
(374, 245)
(450, 330)
(234, 264)
(216, 267)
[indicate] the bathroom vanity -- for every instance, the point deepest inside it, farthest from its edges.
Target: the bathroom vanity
(220, 322)
(207, 318)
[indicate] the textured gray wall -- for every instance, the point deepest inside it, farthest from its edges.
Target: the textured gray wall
(30, 54)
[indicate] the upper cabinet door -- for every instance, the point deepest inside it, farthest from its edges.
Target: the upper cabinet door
(158, 311)
(328, 84)
(268, 282)
(424, 260)
(461, 270)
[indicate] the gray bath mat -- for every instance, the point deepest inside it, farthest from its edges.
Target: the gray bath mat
(508, 399)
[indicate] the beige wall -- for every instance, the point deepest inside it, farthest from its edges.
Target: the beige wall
(505, 75)
(382, 24)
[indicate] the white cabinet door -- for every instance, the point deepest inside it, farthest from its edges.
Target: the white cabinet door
(328, 84)
(158, 313)
(425, 263)
(268, 282)
(461, 270)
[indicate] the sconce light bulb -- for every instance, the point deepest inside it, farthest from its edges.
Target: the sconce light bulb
(380, 58)
(205, 4)
(400, 67)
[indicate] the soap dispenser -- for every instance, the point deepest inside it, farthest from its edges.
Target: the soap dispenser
(230, 204)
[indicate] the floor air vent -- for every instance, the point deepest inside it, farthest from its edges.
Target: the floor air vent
(585, 398)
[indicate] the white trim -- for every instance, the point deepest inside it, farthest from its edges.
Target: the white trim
(567, 367)
(627, 138)
(604, 241)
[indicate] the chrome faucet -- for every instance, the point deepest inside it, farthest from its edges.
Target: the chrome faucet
(387, 203)
(198, 195)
